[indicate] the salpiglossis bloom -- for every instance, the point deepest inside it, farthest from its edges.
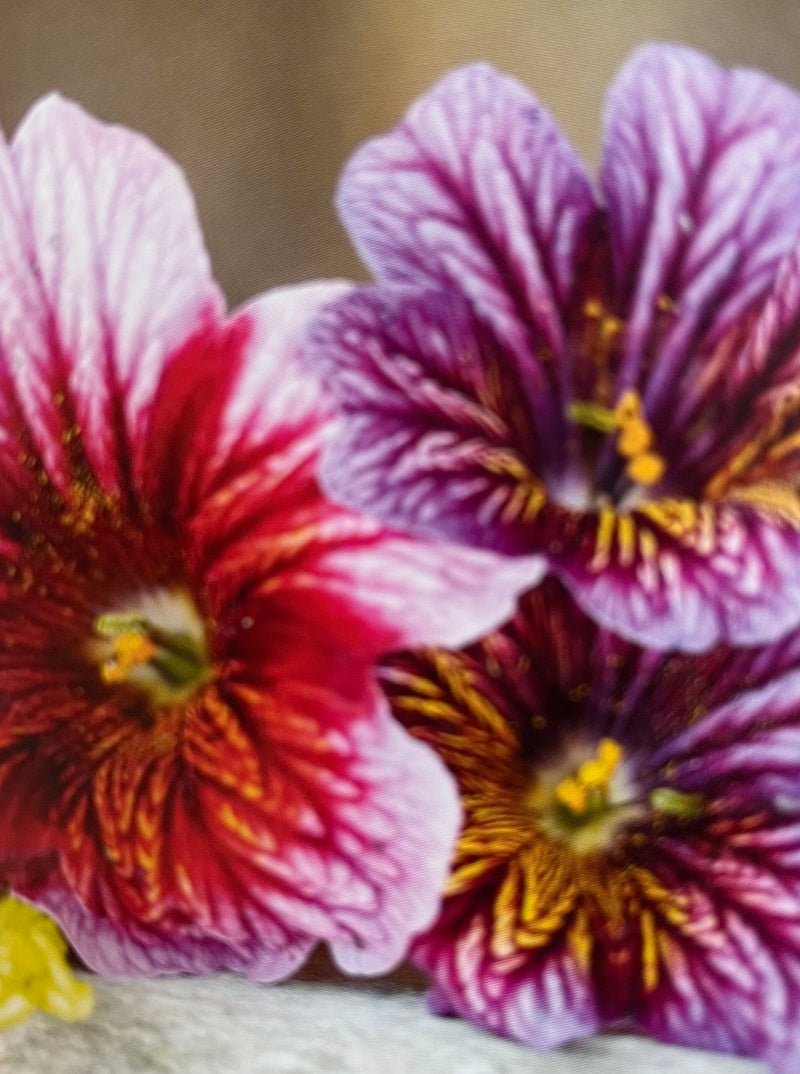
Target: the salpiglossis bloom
(196, 767)
(631, 846)
(34, 972)
(608, 379)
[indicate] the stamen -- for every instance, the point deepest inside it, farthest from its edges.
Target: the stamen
(593, 416)
(634, 434)
(129, 651)
(585, 792)
(572, 794)
(646, 469)
(681, 804)
(166, 662)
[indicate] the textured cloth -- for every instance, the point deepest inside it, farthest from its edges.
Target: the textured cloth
(224, 1025)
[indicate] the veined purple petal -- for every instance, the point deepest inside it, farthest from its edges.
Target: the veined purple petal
(434, 435)
(478, 192)
(678, 575)
(610, 389)
(729, 977)
(544, 1009)
(701, 168)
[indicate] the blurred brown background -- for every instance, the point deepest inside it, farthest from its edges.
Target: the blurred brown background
(262, 100)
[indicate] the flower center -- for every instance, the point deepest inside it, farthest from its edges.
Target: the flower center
(586, 798)
(157, 644)
(584, 795)
(585, 801)
(635, 441)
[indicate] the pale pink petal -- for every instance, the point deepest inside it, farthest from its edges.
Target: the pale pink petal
(123, 276)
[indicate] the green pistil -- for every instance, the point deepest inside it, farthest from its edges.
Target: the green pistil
(178, 658)
(593, 416)
(680, 804)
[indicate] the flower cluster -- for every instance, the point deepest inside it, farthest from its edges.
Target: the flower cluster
(607, 382)
(500, 553)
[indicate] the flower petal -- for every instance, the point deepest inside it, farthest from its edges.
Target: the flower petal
(548, 1003)
(673, 574)
(433, 438)
(700, 173)
(348, 840)
(477, 192)
(234, 414)
(263, 513)
(124, 951)
(407, 825)
(729, 973)
(123, 279)
(751, 428)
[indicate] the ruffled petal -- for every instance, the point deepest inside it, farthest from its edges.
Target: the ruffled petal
(260, 511)
(726, 975)
(675, 574)
(477, 192)
(700, 173)
(123, 279)
(433, 438)
(123, 950)
(403, 833)
(346, 838)
(543, 1001)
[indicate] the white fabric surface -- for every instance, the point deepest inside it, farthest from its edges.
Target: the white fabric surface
(225, 1025)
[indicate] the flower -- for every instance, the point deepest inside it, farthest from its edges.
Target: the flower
(197, 769)
(33, 968)
(608, 380)
(630, 852)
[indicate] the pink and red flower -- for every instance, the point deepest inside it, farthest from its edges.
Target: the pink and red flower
(606, 379)
(196, 766)
(630, 853)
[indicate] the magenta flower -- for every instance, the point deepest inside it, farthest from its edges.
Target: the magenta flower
(196, 766)
(607, 380)
(631, 845)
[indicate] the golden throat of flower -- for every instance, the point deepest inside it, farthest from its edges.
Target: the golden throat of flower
(132, 649)
(634, 435)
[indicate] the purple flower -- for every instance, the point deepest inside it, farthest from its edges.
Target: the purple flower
(630, 853)
(608, 380)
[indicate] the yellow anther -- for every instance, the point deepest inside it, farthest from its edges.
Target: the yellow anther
(635, 438)
(573, 795)
(609, 752)
(628, 408)
(575, 792)
(594, 774)
(130, 650)
(646, 469)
